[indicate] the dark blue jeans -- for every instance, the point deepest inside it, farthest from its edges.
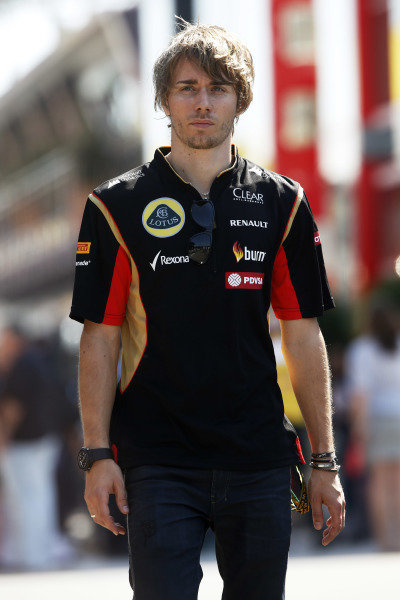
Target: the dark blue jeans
(171, 509)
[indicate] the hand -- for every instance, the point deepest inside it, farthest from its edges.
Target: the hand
(105, 478)
(324, 487)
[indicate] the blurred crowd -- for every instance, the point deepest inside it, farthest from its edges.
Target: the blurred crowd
(366, 394)
(365, 372)
(43, 520)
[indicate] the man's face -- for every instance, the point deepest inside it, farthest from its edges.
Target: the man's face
(202, 111)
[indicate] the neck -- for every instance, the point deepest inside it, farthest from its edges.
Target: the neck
(199, 167)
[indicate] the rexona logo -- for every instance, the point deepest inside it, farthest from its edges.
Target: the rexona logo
(248, 223)
(82, 263)
(168, 260)
(163, 217)
(255, 255)
(83, 248)
(244, 281)
(317, 239)
(247, 196)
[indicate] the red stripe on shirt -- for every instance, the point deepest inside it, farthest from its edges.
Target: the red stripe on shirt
(115, 452)
(141, 356)
(283, 296)
(299, 450)
(119, 290)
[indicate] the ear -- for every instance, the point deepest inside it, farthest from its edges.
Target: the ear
(239, 109)
(165, 108)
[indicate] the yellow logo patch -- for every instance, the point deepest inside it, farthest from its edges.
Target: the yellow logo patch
(163, 217)
(83, 248)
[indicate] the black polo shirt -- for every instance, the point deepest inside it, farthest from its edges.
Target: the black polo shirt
(198, 383)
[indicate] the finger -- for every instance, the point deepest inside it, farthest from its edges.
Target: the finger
(93, 505)
(318, 518)
(121, 528)
(334, 524)
(106, 519)
(335, 514)
(103, 511)
(340, 519)
(332, 530)
(115, 528)
(121, 497)
(109, 523)
(330, 535)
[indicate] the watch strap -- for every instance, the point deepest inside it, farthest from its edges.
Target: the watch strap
(87, 456)
(99, 453)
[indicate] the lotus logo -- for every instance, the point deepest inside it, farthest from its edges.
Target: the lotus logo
(162, 212)
(237, 251)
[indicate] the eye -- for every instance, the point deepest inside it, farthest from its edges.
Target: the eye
(218, 88)
(187, 88)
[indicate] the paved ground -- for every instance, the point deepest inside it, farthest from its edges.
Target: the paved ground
(321, 576)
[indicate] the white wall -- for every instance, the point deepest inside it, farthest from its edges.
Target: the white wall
(338, 102)
(156, 28)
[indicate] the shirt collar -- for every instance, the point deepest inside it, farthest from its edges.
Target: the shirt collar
(162, 163)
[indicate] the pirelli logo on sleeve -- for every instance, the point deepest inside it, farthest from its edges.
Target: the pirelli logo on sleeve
(83, 248)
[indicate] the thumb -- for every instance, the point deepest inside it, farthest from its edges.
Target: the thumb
(121, 498)
(318, 518)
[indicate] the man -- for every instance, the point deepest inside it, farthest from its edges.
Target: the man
(183, 256)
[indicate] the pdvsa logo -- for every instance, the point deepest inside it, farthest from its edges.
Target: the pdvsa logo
(254, 255)
(244, 281)
(317, 238)
(163, 217)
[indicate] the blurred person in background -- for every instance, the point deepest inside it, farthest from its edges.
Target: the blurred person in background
(352, 477)
(29, 450)
(373, 367)
(194, 434)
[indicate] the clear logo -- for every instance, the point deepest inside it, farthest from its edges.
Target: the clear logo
(247, 196)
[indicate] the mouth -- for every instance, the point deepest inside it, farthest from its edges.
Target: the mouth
(202, 124)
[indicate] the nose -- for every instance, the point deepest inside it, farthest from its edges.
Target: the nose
(202, 101)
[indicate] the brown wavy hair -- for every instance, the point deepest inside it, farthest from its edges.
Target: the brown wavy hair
(217, 51)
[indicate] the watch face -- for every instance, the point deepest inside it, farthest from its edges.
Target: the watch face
(83, 459)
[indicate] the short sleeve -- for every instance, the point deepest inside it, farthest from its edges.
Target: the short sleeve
(299, 286)
(102, 272)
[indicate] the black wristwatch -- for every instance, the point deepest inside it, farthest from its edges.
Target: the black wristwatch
(87, 456)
